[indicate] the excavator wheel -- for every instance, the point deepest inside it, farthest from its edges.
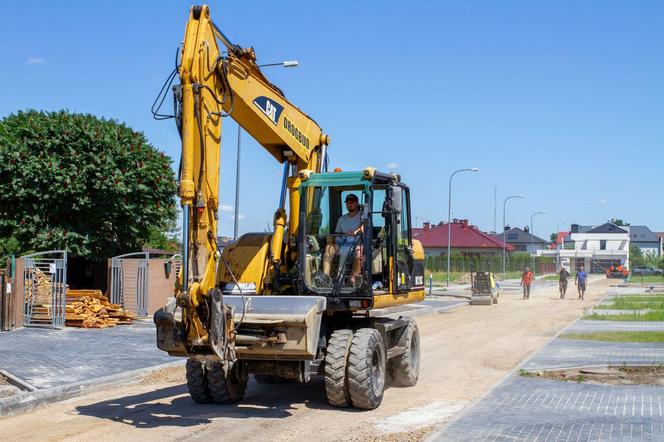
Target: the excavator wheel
(366, 369)
(405, 368)
(336, 362)
(197, 382)
(225, 388)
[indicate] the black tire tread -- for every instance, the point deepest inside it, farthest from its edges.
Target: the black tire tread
(401, 371)
(336, 360)
(359, 369)
(224, 389)
(197, 382)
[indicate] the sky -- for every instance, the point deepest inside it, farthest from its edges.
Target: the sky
(561, 102)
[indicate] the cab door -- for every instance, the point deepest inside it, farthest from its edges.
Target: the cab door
(401, 256)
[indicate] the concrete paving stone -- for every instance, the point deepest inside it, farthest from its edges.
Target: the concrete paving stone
(563, 353)
(590, 326)
(619, 312)
(528, 409)
(48, 358)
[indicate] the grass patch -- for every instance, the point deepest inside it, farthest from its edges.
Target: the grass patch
(619, 336)
(642, 279)
(657, 315)
(634, 303)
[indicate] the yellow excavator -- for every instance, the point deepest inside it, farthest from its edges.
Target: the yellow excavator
(299, 301)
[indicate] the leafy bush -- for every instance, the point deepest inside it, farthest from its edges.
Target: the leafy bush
(93, 186)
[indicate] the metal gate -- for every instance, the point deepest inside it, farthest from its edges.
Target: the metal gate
(45, 289)
(129, 282)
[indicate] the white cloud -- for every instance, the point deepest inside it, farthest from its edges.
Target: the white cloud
(392, 165)
(226, 208)
(240, 216)
(35, 60)
(602, 201)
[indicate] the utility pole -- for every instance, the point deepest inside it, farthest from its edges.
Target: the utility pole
(504, 232)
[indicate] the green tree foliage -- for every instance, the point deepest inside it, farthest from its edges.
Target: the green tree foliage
(93, 186)
(618, 222)
(636, 257)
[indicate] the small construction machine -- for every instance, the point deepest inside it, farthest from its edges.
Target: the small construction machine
(298, 301)
(616, 270)
(483, 289)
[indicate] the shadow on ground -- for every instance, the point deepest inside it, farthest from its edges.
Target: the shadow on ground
(172, 406)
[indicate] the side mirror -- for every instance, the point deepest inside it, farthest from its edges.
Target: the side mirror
(395, 199)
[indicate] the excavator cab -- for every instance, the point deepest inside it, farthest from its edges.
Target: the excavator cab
(355, 266)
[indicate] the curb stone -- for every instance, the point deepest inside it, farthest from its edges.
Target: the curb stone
(30, 400)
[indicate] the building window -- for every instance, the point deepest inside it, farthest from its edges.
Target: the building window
(602, 244)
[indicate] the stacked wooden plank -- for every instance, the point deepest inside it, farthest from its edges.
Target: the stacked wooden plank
(39, 295)
(91, 309)
(39, 288)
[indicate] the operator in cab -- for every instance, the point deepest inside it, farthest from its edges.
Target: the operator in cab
(348, 225)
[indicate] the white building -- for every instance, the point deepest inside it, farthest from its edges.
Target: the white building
(596, 248)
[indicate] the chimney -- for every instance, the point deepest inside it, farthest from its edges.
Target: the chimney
(526, 229)
(574, 228)
(455, 220)
(426, 225)
(507, 228)
(464, 223)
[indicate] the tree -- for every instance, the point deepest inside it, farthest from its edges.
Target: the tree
(636, 257)
(618, 222)
(553, 237)
(93, 186)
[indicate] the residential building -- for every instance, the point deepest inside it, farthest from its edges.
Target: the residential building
(466, 239)
(660, 235)
(522, 240)
(643, 238)
(594, 247)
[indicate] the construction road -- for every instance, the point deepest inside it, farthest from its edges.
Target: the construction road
(465, 352)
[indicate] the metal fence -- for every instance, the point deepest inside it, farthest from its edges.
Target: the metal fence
(129, 282)
(488, 263)
(45, 289)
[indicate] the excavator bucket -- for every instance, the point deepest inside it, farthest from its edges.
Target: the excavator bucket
(276, 327)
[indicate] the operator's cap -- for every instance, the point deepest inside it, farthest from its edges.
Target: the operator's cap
(351, 197)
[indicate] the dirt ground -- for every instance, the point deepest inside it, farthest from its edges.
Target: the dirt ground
(465, 351)
(648, 375)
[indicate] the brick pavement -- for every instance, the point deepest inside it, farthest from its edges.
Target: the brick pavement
(528, 409)
(524, 408)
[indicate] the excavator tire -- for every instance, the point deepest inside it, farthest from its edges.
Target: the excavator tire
(197, 382)
(225, 388)
(336, 362)
(366, 369)
(405, 368)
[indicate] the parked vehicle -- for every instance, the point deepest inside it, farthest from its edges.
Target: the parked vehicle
(646, 271)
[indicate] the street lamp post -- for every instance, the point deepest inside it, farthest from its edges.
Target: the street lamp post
(449, 215)
(504, 233)
(236, 221)
(532, 239)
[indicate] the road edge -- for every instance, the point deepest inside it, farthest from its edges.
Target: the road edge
(30, 400)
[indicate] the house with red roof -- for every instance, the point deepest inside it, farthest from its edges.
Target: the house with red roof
(465, 239)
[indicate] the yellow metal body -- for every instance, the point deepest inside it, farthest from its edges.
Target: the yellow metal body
(216, 82)
(219, 79)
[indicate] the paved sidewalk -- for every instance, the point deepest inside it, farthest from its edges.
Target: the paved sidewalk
(568, 353)
(528, 409)
(587, 326)
(47, 358)
(531, 408)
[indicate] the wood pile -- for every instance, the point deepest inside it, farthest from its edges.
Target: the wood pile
(39, 288)
(91, 309)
